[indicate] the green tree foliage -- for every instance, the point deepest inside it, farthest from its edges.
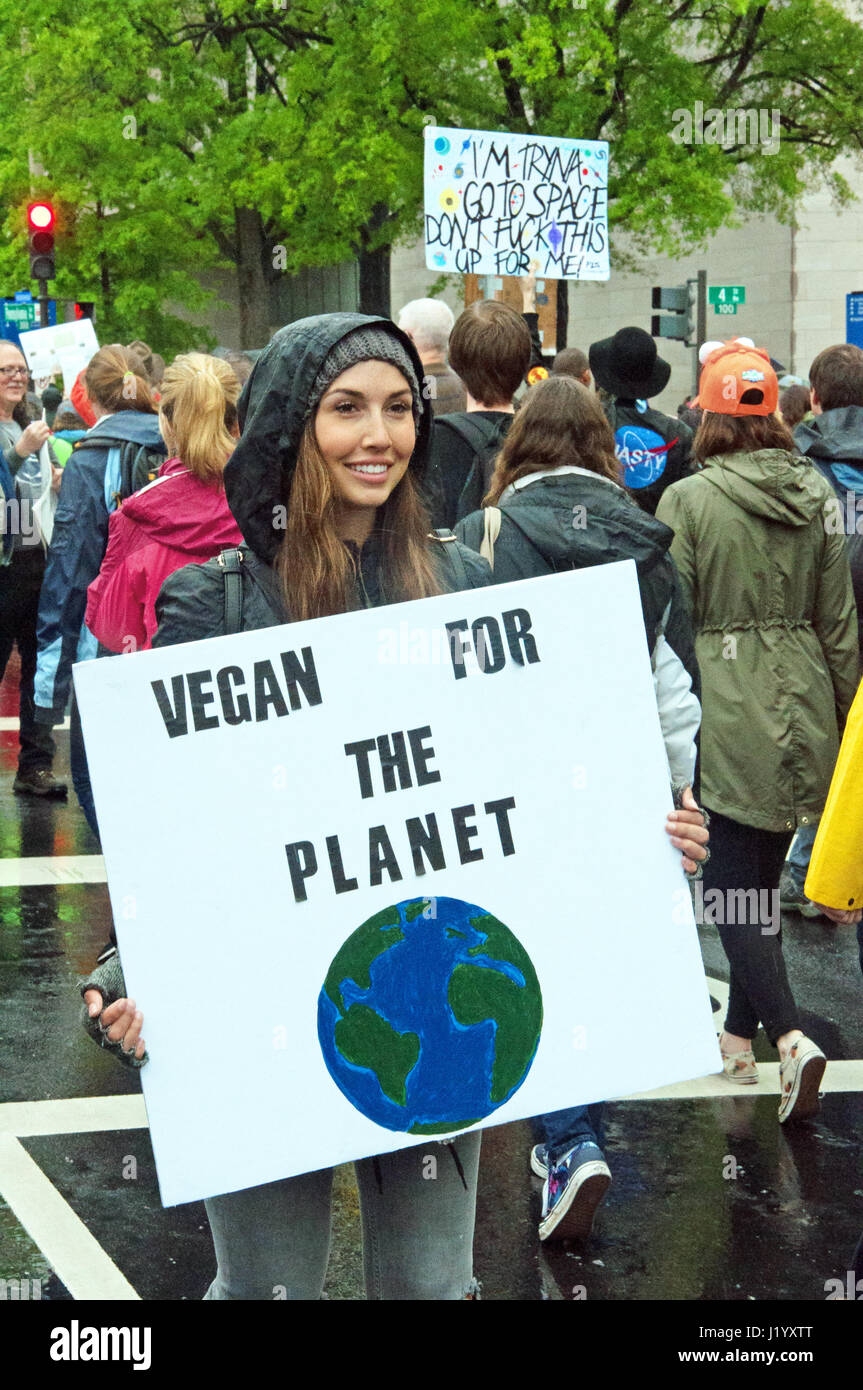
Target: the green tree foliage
(271, 135)
(80, 115)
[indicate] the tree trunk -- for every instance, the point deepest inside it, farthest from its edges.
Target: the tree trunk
(252, 285)
(375, 282)
(374, 266)
(105, 285)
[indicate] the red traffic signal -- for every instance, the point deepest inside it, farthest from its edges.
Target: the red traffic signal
(40, 217)
(40, 240)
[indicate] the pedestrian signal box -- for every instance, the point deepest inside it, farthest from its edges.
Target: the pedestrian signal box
(678, 320)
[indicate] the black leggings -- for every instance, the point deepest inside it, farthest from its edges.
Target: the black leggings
(744, 866)
(20, 583)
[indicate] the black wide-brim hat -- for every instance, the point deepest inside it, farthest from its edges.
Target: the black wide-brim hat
(628, 365)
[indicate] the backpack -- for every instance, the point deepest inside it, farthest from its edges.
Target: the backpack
(853, 543)
(485, 438)
(130, 466)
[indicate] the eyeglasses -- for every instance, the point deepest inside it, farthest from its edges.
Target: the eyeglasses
(8, 372)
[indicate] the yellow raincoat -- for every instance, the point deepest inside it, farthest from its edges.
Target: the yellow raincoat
(835, 875)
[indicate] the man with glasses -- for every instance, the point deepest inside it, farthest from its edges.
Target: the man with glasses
(22, 565)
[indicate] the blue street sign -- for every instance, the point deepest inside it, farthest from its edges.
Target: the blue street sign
(854, 318)
(19, 316)
(23, 296)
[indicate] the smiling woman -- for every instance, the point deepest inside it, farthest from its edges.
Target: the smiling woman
(352, 487)
(365, 432)
(335, 441)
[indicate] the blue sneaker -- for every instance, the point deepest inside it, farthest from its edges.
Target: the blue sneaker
(539, 1160)
(573, 1190)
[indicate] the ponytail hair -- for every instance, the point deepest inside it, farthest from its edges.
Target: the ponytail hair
(198, 403)
(115, 380)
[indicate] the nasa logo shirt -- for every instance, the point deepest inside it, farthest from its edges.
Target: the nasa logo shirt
(653, 450)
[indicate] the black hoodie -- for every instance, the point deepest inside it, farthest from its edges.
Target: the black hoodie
(834, 442)
(273, 413)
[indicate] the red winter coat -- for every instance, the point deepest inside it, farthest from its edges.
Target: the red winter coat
(175, 521)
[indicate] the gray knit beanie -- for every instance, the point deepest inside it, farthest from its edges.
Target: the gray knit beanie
(373, 344)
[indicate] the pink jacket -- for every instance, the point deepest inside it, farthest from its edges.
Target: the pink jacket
(175, 521)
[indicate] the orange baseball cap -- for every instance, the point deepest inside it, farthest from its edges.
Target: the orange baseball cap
(738, 380)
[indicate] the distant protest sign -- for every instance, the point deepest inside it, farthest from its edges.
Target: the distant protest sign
(64, 348)
(386, 876)
(496, 202)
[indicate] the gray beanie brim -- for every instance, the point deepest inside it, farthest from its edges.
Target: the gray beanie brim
(372, 344)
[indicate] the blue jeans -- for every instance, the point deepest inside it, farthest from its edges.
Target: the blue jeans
(417, 1215)
(801, 852)
(563, 1129)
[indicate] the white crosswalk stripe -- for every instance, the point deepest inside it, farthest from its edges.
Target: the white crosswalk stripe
(38, 871)
(71, 1250)
(11, 724)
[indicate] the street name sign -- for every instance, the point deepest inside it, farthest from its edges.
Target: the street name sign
(725, 298)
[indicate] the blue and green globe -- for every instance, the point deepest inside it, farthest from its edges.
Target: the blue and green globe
(430, 1016)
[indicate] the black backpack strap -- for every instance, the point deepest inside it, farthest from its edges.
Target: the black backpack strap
(98, 441)
(475, 432)
(264, 578)
(139, 463)
(231, 563)
(453, 557)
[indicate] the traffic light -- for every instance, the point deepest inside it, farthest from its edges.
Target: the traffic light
(679, 322)
(40, 240)
(85, 309)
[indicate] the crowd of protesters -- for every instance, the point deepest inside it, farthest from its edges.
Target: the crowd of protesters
(436, 455)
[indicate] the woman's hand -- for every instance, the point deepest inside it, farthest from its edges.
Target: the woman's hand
(688, 832)
(32, 439)
(121, 1021)
(846, 917)
(56, 479)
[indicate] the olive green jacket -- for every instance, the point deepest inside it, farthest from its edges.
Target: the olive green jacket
(773, 611)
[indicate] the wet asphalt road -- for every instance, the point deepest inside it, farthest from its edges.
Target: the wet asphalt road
(675, 1226)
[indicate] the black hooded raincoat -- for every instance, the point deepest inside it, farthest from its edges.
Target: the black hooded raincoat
(272, 413)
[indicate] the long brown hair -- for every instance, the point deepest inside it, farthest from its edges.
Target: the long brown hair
(315, 567)
(560, 422)
(739, 434)
(199, 402)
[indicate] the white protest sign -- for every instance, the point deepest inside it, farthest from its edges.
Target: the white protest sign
(496, 202)
(367, 892)
(64, 347)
